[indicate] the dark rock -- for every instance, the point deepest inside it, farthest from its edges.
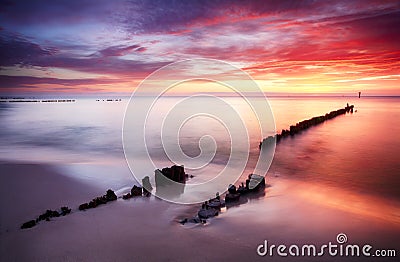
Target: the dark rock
(207, 213)
(136, 191)
(232, 197)
(127, 196)
(110, 195)
(93, 203)
(65, 211)
(28, 224)
(194, 220)
(242, 189)
(216, 203)
(146, 193)
(170, 181)
(232, 189)
(48, 214)
(255, 182)
(84, 206)
(55, 214)
(175, 173)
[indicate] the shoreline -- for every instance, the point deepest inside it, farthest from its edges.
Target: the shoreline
(132, 229)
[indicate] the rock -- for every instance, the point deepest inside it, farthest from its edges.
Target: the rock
(146, 193)
(175, 173)
(29, 224)
(216, 203)
(127, 196)
(65, 211)
(110, 195)
(194, 220)
(48, 214)
(232, 197)
(84, 206)
(136, 191)
(93, 203)
(254, 182)
(54, 213)
(232, 189)
(242, 189)
(207, 213)
(170, 181)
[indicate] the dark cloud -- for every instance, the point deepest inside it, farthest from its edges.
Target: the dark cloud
(101, 65)
(175, 16)
(379, 30)
(20, 12)
(118, 50)
(10, 82)
(157, 16)
(143, 16)
(15, 50)
(18, 51)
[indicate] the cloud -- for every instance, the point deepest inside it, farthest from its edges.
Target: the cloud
(11, 82)
(70, 12)
(160, 16)
(122, 39)
(18, 51)
(119, 50)
(15, 50)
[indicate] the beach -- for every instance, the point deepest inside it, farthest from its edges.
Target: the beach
(148, 228)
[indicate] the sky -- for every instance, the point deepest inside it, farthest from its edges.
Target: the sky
(289, 47)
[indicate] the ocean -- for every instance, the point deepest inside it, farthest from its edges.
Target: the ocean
(357, 151)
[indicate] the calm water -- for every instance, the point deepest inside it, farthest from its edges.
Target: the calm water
(358, 152)
(340, 176)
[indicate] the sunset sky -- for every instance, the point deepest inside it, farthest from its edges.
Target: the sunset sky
(95, 47)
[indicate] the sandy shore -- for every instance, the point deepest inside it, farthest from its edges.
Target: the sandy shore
(147, 229)
(138, 229)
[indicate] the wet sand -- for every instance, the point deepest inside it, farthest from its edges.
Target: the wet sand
(147, 229)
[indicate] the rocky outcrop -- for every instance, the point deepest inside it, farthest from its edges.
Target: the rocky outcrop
(29, 224)
(207, 213)
(136, 191)
(174, 173)
(127, 196)
(254, 184)
(95, 202)
(46, 216)
(65, 211)
(170, 181)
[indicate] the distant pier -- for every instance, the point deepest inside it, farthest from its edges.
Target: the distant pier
(34, 100)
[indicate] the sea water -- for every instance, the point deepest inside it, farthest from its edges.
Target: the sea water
(358, 151)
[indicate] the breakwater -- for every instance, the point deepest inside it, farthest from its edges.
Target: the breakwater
(305, 124)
